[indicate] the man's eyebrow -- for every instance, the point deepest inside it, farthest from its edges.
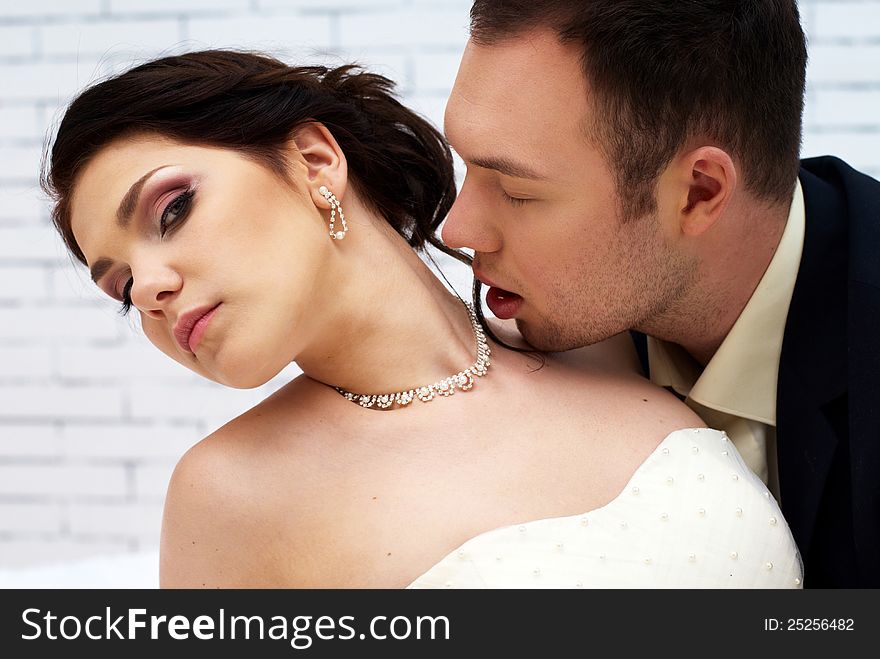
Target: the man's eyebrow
(130, 200)
(508, 167)
(123, 217)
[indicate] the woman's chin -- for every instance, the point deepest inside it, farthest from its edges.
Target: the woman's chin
(225, 367)
(241, 376)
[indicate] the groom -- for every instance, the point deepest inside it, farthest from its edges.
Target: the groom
(635, 166)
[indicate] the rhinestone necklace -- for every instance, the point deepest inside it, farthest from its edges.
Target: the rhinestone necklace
(464, 380)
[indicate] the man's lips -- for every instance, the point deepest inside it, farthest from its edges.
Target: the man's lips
(503, 303)
(190, 326)
(483, 278)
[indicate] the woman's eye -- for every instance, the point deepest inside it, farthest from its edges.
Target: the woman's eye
(176, 211)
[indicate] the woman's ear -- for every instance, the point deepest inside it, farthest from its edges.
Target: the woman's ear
(708, 180)
(324, 161)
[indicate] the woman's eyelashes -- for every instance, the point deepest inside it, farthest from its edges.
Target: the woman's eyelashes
(126, 297)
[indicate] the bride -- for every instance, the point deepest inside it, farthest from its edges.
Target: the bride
(256, 214)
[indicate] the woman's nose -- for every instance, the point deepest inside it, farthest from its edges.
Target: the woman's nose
(154, 287)
(470, 222)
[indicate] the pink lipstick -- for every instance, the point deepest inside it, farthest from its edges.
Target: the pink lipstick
(192, 325)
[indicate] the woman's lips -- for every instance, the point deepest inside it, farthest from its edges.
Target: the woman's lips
(191, 327)
(503, 304)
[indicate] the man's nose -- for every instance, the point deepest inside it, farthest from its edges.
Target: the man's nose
(470, 222)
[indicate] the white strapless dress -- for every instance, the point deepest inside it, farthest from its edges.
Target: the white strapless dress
(693, 515)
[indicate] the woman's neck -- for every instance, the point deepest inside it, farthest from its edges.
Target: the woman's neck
(393, 325)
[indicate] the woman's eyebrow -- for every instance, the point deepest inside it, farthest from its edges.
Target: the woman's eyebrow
(100, 268)
(123, 217)
(132, 197)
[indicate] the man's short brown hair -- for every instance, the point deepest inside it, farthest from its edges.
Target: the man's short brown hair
(664, 72)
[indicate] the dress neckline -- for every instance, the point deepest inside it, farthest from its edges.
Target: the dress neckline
(658, 450)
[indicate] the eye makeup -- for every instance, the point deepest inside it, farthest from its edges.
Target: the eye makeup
(176, 211)
(175, 208)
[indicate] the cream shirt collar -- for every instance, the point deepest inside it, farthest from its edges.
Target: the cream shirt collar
(741, 377)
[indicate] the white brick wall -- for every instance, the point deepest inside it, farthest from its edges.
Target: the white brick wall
(842, 114)
(93, 38)
(92, 417)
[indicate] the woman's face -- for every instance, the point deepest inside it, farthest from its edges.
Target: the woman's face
(182, 231)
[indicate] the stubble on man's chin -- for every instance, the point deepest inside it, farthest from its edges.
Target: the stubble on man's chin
(655, 293)
(550, 337)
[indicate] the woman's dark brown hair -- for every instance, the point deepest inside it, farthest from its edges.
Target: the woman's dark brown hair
(253, 104)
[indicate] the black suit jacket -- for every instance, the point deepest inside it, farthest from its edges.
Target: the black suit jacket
(828, 395)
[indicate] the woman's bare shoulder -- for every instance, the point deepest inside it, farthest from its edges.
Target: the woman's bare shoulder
(607, 376)
(231, 500)
(211, 521)
(616, 353)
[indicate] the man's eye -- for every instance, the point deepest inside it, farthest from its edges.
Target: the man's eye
(514, 201)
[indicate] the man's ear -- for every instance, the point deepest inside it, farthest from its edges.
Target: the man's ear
(324, 162)
(708, 179)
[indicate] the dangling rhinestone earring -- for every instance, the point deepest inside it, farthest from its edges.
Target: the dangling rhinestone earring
(334, 206)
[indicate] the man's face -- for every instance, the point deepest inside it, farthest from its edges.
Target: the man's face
(539, 205)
